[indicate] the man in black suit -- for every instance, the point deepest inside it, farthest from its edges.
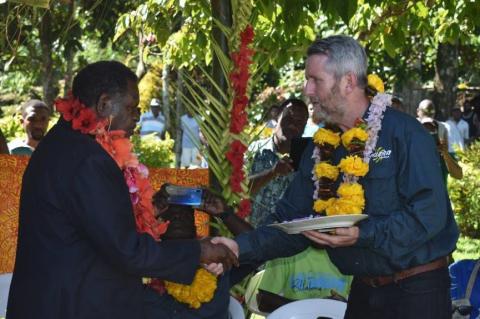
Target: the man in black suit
(79, 254)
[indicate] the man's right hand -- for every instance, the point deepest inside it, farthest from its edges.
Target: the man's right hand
(212, 204)
(217, 253)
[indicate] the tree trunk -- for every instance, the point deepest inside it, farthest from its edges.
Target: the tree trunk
(166, 96)
(69, 54)
(46, 44)
(141, 67)
(445, 82)
(222, 11)
(178, 113)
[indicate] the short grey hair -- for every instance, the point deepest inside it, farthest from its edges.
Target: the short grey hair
(427, 108)
(344, 55)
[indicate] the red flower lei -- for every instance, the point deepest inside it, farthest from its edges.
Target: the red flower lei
(119, 147)
(239, 117)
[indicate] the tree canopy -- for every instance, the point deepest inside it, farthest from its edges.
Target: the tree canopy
(404, 39)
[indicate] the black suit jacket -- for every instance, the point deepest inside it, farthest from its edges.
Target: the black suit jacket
(78, 254)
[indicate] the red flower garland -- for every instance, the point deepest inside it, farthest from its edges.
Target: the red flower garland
(235, 157)
(239, 118)
(239, 79)
(120, 149)
(83, 119)
(244, 208)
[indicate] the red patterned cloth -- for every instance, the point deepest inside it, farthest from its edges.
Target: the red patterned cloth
(11, 172)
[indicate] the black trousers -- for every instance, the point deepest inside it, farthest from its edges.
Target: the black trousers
(426, 296)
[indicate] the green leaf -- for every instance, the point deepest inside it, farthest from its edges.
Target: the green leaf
(34, 3)
(388, 45)
(345, 8)
(123, 24)
(309, 33)
(421, 10)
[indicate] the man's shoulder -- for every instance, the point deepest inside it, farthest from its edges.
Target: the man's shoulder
(400, 122)
(69, 145)
(463, 123)
(392, 114)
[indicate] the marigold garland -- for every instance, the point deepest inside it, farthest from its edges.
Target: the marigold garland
(361, 139)
(325, 136)
(320, 205)
(200, 291)
(341, 206)
(325, 175)
(355, 133)
(375, 82)
(324, 169)
(120, 148)
(353, 165)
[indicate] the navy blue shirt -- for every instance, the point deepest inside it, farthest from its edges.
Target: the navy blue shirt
(410, 216)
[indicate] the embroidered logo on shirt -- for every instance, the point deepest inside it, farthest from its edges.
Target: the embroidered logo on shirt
(380, 154)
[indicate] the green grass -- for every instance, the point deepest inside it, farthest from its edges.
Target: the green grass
(467, 248)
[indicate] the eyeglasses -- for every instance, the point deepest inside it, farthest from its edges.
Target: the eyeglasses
(464, 310)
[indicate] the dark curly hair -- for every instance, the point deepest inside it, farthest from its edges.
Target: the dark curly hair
(101, 77)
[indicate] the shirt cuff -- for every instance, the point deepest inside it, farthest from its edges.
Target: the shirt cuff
(246, 254)
(365, 236)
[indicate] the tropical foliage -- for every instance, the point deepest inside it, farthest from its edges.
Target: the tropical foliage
(410, 43)
(467, 248)
(154, 152)
(465, 193)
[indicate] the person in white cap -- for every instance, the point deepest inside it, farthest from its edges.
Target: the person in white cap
(153, 121)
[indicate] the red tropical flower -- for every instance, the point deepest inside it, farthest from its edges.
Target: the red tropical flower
(246, 37)
(69, 107)
(86, 121)
(236, 182)
(244, 208)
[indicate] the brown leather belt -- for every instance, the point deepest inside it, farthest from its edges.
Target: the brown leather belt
(385, 280)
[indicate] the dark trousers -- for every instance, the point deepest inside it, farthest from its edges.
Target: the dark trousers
(426, 296)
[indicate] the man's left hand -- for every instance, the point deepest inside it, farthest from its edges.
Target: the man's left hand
(214, 268)
(340, 237)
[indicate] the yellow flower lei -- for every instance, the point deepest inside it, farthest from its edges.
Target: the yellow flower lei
(355, 132)
(362, 138)
(200, 291)
(353, 165)
(350, 198)
(343, 206)
(323, 136)
(320, 205)
(376, 83)
(323, 169)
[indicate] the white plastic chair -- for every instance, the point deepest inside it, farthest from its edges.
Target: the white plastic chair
(251, 293)
(5, 280)
(310, 309)
(235, 309)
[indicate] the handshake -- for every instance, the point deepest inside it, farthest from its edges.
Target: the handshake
(217, 254)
